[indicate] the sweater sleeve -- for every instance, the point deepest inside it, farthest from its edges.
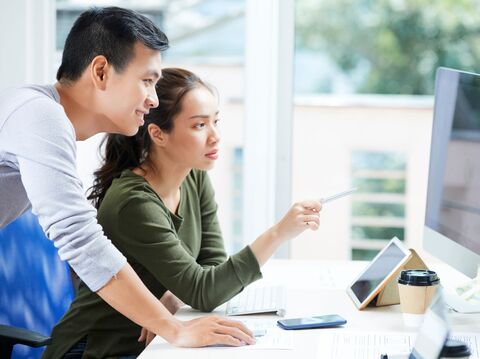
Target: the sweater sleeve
(149, 237)
(43, 141)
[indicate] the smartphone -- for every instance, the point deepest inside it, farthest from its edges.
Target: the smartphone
(323, 321)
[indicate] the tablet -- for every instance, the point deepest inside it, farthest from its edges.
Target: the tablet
(377, 274)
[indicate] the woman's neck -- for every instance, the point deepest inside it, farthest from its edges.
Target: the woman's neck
(165, 178)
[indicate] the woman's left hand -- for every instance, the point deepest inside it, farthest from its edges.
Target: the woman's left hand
(146, 336)
(172, 303)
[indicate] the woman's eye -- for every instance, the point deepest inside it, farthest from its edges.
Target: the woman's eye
(199, 125)
(148, 81)
(217, 121)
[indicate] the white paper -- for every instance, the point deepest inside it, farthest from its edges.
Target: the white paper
(368, 345)
(274, 337)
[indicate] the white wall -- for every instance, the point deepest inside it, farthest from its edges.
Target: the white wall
(27, 38)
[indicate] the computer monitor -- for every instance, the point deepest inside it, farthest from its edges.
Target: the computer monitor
(452, 218)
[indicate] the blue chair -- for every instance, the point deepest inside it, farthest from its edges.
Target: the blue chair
(35, 288)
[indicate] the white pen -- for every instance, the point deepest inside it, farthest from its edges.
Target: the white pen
(337, 195)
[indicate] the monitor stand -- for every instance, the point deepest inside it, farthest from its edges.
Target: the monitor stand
(459, 304)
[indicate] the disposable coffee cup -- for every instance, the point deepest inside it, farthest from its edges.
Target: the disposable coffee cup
(416, 288)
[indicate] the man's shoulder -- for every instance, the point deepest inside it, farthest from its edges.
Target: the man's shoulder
(31, 106)
(16, 96)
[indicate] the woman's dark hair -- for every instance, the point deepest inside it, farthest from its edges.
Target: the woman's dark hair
(123, 152)
(111, 32)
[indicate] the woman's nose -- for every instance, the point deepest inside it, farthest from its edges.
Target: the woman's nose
(214, 135)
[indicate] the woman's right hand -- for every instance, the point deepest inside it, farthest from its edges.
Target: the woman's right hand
(301, 216)
(213, 330)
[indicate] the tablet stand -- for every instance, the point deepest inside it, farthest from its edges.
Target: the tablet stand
(389, 294)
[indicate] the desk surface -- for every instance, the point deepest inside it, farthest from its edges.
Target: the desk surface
(316, 288)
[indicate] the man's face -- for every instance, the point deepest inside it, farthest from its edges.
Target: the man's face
(130, 94)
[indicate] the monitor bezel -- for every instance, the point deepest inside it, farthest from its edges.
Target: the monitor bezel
(442, 247)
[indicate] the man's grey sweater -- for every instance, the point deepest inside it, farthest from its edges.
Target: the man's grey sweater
(38, 171)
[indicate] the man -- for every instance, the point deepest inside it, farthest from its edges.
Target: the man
(106, 83)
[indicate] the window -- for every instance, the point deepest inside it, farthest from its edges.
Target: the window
(378, 207)
(237, 240)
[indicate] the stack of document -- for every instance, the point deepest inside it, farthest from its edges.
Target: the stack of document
(370, 345)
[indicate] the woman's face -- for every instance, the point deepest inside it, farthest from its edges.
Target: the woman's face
(193, 141)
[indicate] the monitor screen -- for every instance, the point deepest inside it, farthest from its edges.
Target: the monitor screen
(453, 193)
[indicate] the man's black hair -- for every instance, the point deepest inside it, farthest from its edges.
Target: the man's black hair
(111, 32)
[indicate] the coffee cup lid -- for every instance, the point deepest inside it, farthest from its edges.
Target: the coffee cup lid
(418, 277)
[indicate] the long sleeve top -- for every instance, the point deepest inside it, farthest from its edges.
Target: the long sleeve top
(38, 171)
(182, 252)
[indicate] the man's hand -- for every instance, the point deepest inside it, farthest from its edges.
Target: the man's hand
(213, 330)
(207, 331)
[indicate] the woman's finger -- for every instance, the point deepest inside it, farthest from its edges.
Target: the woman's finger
(143, 335)
(314, 206)
(150, 337)
(311, 221)
(310, 218)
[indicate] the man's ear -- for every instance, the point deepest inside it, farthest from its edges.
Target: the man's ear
(99, 68)
(156, 134)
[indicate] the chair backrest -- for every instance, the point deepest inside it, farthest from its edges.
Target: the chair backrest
(35, 285)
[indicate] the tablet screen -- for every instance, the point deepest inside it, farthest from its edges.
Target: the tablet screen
(378, 270)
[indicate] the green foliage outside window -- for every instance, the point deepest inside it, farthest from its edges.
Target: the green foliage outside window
(379, 185)
(392, 46)
(367, 232)
(363, 254)
(378, 161)
(368, 209)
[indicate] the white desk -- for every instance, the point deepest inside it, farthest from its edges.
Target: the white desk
(315, 288)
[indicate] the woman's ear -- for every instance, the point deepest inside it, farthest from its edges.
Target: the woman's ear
(99, 71)
(156, 134)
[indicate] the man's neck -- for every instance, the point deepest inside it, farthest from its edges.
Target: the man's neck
(78, 103)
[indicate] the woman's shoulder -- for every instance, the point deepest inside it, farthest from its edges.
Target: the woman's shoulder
(126, 188)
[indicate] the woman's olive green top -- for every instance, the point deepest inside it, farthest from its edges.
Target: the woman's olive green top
(181, 252)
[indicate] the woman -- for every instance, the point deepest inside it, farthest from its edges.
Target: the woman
(155, 201)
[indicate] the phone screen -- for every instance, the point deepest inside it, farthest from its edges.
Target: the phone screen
(324, 319)
(313, 320)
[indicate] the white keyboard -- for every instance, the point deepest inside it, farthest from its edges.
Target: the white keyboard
(259, 300)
